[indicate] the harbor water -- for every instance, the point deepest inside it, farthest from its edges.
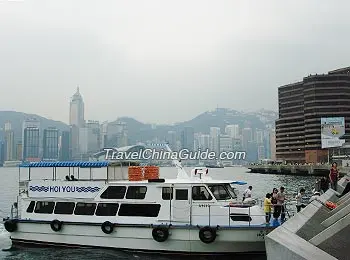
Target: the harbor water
(262, 183)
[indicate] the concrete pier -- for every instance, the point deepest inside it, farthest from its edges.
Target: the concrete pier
(316, 232)
(320, 170)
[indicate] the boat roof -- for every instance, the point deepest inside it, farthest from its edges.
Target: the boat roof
(87, 164)
(181, 181)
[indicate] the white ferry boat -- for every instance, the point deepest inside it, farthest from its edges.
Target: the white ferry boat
(192, 214)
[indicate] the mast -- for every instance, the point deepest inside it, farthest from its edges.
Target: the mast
(181, 173)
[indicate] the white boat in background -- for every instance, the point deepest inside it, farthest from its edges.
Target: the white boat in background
(191, 214)
(11, 163)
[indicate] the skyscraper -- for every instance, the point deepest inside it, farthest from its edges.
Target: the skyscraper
(76, 121)
(76, 110)
(65, 149)
(31, 139)
(31, 144)
(50, 144)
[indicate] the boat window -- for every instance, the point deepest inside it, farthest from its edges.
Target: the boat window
(167, 193)
(181, 194)
(231, 190)
(64, 208)
(107, 209)
(45, 207)
(85, 208)
(136, 192)
(200, 193)
(31, 207)
(219, 192)
(139, 210)
(240, 217)
(114, 192)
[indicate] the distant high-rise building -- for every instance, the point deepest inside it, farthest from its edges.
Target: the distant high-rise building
(232, 131)
(8, 126)
(2, 152)
(89, 138)
(203, 141)
(19, 151)
(214, 133)
(273, 144)
(104, 134)
(226, 143)
(76, 121)
(171, 139)
(259, 138)
(65, 149)
(187, 138)
(247, 137)
(261, 152)
(10, 145)
(50, 144)
(117, 134)
(31, 144)
(76, 111)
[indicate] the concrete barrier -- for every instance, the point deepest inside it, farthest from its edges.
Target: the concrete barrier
(281, 244)
(334, 240)
(316, 232)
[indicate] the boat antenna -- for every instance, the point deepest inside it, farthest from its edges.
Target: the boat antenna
(181, 173)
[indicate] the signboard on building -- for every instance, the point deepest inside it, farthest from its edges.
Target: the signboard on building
(332, 129)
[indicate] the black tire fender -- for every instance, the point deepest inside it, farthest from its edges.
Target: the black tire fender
(160, 234)
(107, 227)
(10, 225)
(207, 234)
(56, 225)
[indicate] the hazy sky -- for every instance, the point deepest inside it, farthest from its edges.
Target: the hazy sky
(163, 61)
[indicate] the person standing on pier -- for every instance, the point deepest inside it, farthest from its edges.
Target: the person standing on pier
(267, 207)
(279, 208)
(334, 176)
(299, 199)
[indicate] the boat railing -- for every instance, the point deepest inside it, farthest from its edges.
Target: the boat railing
(237, 214)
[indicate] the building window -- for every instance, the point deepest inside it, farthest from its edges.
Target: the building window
(31, 207)
(114, 192)
(139, 210)
(44, 207)
(181, 194)
(64, 208)
(107, 209)
(167, 193)
(200, 193)
(85, 209)
(136, 192)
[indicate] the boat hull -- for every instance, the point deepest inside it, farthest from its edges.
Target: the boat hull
(181, 240)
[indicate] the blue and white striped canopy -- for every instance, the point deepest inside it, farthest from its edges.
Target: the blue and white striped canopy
(88, 164)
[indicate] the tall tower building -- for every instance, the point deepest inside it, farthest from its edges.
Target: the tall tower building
(76, 110)
(76, 121)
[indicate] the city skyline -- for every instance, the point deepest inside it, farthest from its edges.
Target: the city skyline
(88, 137)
